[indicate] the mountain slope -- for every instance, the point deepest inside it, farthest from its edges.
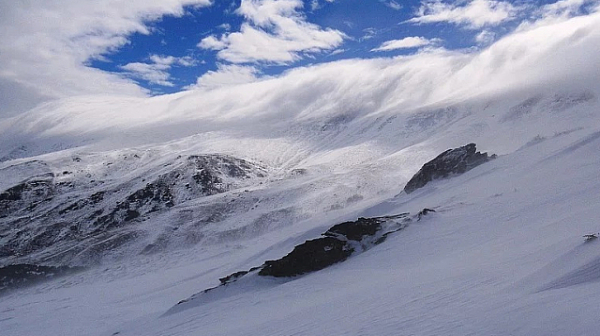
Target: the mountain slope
(289, 157)
(503, 254)
(504, 246)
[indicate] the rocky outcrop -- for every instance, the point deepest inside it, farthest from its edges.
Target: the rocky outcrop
(310, 256)
(74, 207)
(451, 162)
(27, 194)
(335, 245)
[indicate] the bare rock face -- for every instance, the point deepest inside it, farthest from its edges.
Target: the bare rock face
(75, 214)
(451, 162)
(310, 256)
(356, 230)
(335, 245)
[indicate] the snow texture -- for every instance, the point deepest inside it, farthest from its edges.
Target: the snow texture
(502, 255)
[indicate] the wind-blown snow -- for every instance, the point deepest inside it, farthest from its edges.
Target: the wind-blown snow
(503, 254)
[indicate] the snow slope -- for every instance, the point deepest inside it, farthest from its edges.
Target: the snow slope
(503, 254)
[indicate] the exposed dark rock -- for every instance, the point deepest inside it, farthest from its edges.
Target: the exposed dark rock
(43, 237)
(207, 181)
(355, 230)
(71, 210)
(20, 275)
(14, 193)
(451, 162)
(338, 243)
(131, 214)
(233, 277)
(298, 172)
(97, 197)
(312, 255)
(27, 194)
(80, 204)
(424, 212)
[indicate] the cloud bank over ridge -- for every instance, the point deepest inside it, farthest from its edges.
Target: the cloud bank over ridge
(524, 61)
(47, 59)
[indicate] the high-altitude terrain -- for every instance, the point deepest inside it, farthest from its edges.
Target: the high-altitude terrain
(157, 199)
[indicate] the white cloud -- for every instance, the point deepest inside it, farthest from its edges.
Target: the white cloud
(393, 4)
(212, 43)
(45, 46)
(225, 26)
(565, 7)
(406, 43)
(153, 73)
(485, 37)
(337, 52)
(546, 59)
(472, 15)
(187, 61)
(162, 60)
(557, 12)
(157, 71)
(227, 75)
(314, 5)
(273, 32)
(369, 33)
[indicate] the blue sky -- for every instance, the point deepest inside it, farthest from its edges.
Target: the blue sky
(365, 26)
(54, 49)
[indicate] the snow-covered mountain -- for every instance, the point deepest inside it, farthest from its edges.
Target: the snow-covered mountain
(161, 197)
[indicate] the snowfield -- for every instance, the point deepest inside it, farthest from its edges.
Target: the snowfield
(503, 254)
